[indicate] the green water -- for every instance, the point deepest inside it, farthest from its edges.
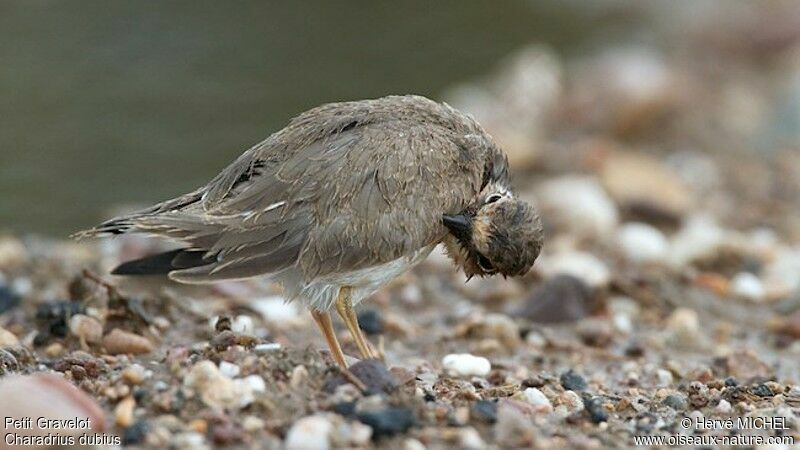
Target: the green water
(105, 103)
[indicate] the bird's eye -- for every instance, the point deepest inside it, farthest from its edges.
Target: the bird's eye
(485, 264)
(493, 198)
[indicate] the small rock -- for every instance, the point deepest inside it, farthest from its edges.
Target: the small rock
(413, 444)
(676, 401)
(561, 298)
(634, 179)
(699, 238)
(8, 339)
(595, 332)
(573, 381)
(724, 407)
(594, 406)
(243, 324)
(572, 401)
(583, 265)
(684, 324)
(123, 413)
(372, 372)
(492, 326)
(747, 286)
(230, 370)
(578, 204)
(388, 421)
(119, 342)
(217, 390)
(641, 242)
(746, 365)
(370, 321)
(8, 298)
(465, 365)
(275, 309)
(536, 398)
(299, 377)
(86, 328)
(485, 410)
(266, 348)
(470, 439)
(311, 432)
(664, 378)
(135, 433)
(256, 383)
(134, 374)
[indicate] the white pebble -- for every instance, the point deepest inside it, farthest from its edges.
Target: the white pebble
(747, 286)
(243, 324)
(217, 390)
(413, 444)
(470, 439)
(230, 370)
(665, 378)
(585, 266)
(590, 212)
(464, 364)
(266, 348)
(256, 383)
(312, 432)
(7, 338)
(536, 398)
(700, 237)
(724, 407)
(641, 242)
(684, 323)
(275, 309)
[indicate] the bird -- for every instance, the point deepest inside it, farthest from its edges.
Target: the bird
(345, 198)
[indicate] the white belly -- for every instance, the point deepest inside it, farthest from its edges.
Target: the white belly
(321, 293)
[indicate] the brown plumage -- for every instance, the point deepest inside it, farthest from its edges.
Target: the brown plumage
(343, 199)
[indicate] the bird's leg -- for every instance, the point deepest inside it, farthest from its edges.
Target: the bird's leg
(323, 319)
(344, 305)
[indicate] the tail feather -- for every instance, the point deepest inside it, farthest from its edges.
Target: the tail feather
(163, 263)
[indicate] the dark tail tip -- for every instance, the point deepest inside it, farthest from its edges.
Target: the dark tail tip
(162, 263)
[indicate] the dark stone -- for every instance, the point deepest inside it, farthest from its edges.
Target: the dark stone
(370, 321)
(762, 390)
(731, 382)
(594, 407)
(346, 409)
(372, 372)
(485, 410)
(8, 299)
(54, 317)
(562, 298)
(135, 433)
(388, 421)
(573, 381)
(676, 402)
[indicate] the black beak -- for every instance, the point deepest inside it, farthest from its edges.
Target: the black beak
(460, 226)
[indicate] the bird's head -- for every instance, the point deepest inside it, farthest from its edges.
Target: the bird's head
(501, 235)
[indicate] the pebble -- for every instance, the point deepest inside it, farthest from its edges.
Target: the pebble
(664, 377)
(485, 410)
(465, 365)
(123, 413)
(595, 332)
(494, 326)
(311, 432)
(583, 265)
(724, 407)
(640, 242)
(372, 372)
(573, 381)
(782, 274)
(536, 398)
(217, 390)
(230, 370)
(267, 347)
(561, 298)
(86, 328)
(684, 323)
(119, 342)
(572, 401)
(676, 401)
(634, 179)
(243, 324)
(700, 237)
(747, 286)
(470, 439)
(578, 204)
(413, 444)
(388, 421)
(8, 298)
(256, 383)
(134, 374)
(594, 406)
(8, 339)
(371, 322)
(275, 309)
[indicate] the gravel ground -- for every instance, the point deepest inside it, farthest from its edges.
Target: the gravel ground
(669, 287)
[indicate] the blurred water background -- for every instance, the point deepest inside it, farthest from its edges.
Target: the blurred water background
(119, 102)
